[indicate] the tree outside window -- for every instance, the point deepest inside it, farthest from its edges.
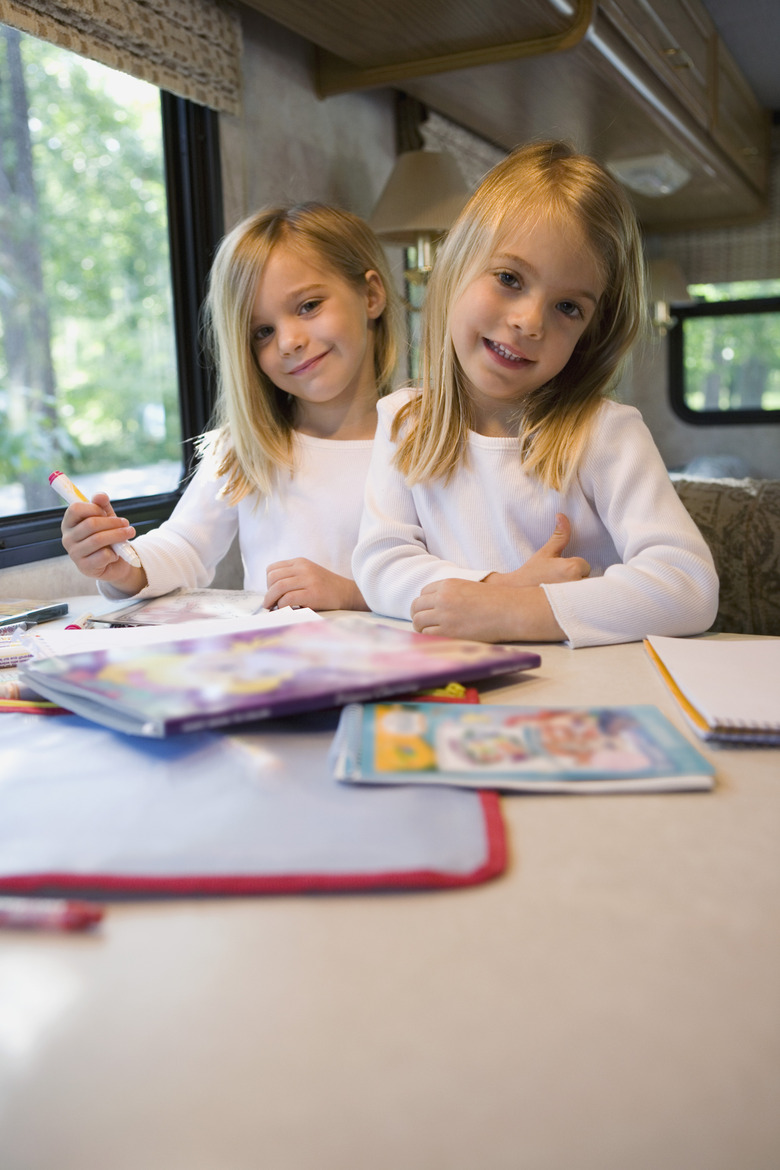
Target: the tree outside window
(88, 377)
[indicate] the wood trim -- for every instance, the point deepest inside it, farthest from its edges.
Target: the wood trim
(334, 75)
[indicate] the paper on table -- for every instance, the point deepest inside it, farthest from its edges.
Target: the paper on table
(59, 642)
(732, 684)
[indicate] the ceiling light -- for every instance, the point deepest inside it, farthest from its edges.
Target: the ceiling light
(654, 175)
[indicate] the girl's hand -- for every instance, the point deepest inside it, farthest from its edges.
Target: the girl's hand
(547, 566)
(466, 609)
(301, 582)
(88, 531)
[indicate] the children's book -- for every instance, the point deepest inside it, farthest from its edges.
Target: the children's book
(208, 681)
(523, 749)
(14, 610)
(183, 605)
(728, 690)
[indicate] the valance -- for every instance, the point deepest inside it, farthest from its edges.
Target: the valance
(190, 47)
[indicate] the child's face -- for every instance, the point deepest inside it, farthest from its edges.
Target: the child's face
(311, 331)
(515, 325)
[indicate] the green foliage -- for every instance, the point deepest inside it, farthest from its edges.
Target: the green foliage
(732, 362)
(102, 234)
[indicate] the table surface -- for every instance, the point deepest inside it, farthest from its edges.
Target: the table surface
(610, 1003)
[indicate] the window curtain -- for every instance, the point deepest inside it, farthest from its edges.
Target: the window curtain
(190, 47)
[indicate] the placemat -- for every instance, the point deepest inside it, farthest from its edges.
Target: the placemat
(86, 810)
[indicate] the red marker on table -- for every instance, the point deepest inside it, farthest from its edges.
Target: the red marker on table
(71, 495)
(48, 914)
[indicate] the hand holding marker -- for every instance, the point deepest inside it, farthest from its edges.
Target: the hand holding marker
(71, 495)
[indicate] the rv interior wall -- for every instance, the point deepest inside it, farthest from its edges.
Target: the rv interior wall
(757, 448)
(704, 256)
(288, 145)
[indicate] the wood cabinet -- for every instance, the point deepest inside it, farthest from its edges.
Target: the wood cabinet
(739, 125)
(619, 78)
(677, 40)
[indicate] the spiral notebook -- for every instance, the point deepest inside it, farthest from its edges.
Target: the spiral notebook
(728, 690)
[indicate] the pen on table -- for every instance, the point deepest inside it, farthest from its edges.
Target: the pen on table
(17, 628)
(48, 914)
(71, 495)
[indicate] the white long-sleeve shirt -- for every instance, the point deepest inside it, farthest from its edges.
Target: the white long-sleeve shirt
(651, 570)
(314, 513)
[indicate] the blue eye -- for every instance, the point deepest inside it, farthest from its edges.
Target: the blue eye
(262, 333)
(570, 309)
(507, 279)
(309, 306)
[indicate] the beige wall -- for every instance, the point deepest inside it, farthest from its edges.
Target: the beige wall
(646, 386)
(288, 145)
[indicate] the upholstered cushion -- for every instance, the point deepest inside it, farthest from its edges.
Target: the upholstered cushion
(740, 520)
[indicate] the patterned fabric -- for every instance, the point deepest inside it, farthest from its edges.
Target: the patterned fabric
(740, 520)
(190, 47)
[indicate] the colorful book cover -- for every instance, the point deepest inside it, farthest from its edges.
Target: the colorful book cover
(527, 749)
(214, 680)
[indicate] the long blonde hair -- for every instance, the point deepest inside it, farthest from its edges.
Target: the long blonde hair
(253, 417)
(542, 181)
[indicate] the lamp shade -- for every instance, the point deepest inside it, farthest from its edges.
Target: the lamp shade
(423, 196)
(667, 282)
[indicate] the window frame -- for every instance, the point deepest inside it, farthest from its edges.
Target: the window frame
(676, 361)
(193, 185)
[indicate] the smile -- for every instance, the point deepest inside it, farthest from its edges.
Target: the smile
(309, 364)
(508, 355)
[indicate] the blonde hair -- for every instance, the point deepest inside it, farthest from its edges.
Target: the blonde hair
(253, 417)
(545, 181)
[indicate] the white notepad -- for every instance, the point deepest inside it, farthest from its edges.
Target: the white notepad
(733, 685)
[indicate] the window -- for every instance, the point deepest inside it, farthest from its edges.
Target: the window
(111, 213)
(724, 354)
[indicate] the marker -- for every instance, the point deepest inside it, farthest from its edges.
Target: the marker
(82, 623)
(71, 495)
(48, 914)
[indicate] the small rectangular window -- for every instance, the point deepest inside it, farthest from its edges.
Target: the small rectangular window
(724, 354)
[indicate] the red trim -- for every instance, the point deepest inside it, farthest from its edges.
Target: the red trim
(107, 884)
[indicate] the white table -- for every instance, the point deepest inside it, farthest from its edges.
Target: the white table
(611, 1003)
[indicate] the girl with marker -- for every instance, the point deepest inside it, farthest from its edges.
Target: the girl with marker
(303, 322)
(536, 298)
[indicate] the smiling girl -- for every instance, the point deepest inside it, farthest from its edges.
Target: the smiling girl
(303, 324)
(536, 298)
